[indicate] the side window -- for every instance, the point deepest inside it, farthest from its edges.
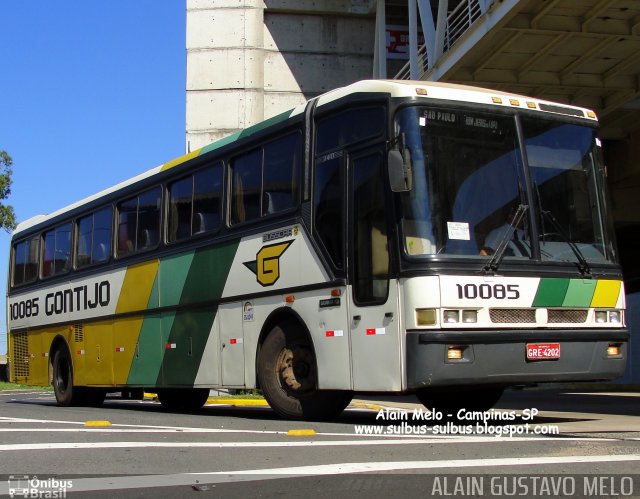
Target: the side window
(148, 219)
(93, 243)
(56, 257)
(139, 222)
(349, 127)
(25, 261)
(246, 180)
(102, 228)
(266, 180)
(194, 204)
(207, 200)
(127, 220)
(328, 212)
(280, 174)
(180, 195)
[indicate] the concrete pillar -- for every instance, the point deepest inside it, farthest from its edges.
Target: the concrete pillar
(225, 68)
(248, 60)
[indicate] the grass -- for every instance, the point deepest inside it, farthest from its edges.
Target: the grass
(12, 386)
(248, 394)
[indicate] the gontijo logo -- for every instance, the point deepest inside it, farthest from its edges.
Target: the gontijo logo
(266, 266)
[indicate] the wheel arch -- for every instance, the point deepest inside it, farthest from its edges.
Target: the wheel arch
(280, 316)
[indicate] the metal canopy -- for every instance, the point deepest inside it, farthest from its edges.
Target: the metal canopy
(583, 52)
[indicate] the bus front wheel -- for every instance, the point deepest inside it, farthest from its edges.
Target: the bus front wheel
(287, 374)
(452, 401)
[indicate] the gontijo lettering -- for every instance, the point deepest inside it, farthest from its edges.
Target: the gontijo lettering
(76, 299)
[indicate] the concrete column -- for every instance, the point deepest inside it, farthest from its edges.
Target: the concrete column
(248, 60)
(225, 68)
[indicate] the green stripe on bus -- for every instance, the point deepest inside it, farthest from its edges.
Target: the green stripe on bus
(580, 293)
(208, 273)
(205, 281)
(172, 275)
(266, 123)
(551, 292)
(220, 143)
(146, 364)
(246, 132)
(189, 334)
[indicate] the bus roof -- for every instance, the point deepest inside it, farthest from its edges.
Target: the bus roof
(395, 88)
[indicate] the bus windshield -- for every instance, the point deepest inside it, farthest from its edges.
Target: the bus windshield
(469, 180)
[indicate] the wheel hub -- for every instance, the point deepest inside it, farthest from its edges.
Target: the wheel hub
(294, 367)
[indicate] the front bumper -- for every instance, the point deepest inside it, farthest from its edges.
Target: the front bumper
(498, 357)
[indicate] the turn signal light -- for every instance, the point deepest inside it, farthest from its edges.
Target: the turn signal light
(425, 316)
(613, 350)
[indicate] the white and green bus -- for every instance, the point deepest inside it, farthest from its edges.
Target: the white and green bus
(385, 237)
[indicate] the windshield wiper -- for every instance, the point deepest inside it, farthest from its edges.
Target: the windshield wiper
(493, 264)
(582, 264)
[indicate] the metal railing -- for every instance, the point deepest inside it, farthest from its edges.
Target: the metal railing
(459, 20)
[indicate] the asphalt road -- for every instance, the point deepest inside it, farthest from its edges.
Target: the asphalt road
(584, 443)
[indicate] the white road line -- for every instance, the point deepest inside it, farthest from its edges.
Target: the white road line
(284, 443)
(218, 477)
(131, 428)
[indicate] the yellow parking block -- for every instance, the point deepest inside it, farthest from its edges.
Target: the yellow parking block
(237, 402)
(301, 433)
(97, 423)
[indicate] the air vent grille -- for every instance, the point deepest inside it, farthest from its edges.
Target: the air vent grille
(20, 355)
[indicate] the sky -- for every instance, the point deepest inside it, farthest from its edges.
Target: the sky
(92, 92)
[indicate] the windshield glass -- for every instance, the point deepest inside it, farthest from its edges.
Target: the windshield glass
(468, 183)
(568, 183)
(469, 180)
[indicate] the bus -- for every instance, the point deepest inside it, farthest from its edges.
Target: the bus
(386, 237)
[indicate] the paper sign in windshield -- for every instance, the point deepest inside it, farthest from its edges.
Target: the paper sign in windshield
(458, 230)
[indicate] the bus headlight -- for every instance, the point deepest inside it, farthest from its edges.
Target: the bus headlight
(601, 316)
(469, 316)
(451, 316)
(615, 317)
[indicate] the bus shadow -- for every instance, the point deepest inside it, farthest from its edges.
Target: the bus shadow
(360, 414)
(614, 403)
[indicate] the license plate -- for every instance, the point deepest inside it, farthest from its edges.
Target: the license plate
(543, 351)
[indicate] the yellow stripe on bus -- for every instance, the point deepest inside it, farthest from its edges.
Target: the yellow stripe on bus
(137, 287)
(606, 293)
(181, 159)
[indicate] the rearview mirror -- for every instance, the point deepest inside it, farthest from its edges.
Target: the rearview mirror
(400, 174)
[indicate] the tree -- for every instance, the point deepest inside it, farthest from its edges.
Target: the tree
(7, 215)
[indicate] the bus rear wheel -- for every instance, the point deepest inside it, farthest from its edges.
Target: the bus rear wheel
(451, 401)
(66, 394)
(287, 374)
(183, 399)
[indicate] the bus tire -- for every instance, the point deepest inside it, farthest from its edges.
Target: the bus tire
(183, 399)
(287, 375)
(451, 401)
(66, 394)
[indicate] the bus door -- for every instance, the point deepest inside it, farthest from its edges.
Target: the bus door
(373, 300)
